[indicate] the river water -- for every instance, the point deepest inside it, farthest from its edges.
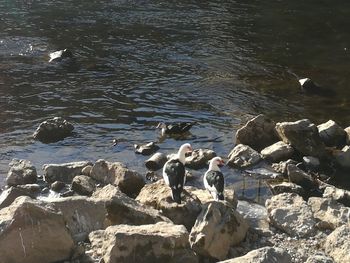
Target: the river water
(140, 62)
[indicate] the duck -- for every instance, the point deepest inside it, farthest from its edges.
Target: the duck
(214, 179)
(174, 173)
(175, 128)
(60, 55)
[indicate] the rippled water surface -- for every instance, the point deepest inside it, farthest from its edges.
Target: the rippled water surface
(141, 62)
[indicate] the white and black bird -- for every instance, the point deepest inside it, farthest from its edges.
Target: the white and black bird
(214, 179)
(174, 172)
(175, 128)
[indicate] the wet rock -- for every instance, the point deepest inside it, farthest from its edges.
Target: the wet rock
(311, 163)
(258, 133)
(9, 195)
(64, 172)
(156, 161)
(67, 193)
(21, 172)
(263, 255)
(301, 178)
(217, 228)
(161, 242)
(287, 187)
(158, 196)
(303, 136)
(199, 158)
(281, 167)
(290, 213)
(83, 185)
(347, 136)
(342, 157)
(340, 195)
(53, 130)
(255, 215)
(331, 213)
(130, 182)
(278, 151)
(32, 232)
(243, 156)
(57, 186)
(337, 244)
(146, 149)
(332, 134)
(319, 258)
(60, 55)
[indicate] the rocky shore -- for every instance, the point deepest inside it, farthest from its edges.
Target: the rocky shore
(84, 212)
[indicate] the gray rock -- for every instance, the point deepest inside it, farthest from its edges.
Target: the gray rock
(146, 149)
(332, 134)
(303, 136)
(281, 167)
(342, 157)
(217, 228)
(311, 163)
(258, 133)
(243, 156)
(57, 186)
(337, 244)
(301, 178)
(156, 161)
(290, 213)
(21, 172)
(319, 258)
(255, 215)
(86, 170)
(9, 195)
(287, 187)
(199, 158)
(278, 151)
(263, 255)
(340, 195)
(64, 172)
(53, 130)
(83, 185)
(31, 189)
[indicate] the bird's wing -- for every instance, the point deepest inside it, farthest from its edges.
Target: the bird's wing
(174, 172)
(216, 179)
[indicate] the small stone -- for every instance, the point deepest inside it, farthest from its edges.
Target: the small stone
(53, 130)
(86, 170)
(57, 186)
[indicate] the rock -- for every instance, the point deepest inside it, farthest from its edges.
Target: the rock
(146, 149)
(262, 255)
(319, 258)
(86, 170)
(303, 136)
(281, 167)
(347, 136)
(156, 161)
(331, 213)
(129, 181)
(21, 172)
(258, 133)
(287, 187)
(158, 196)
(342, 157)
(60, 55)
(301, 178)
(57, 186)
(32, 232)
(255, 215)
(332, 134)
(243, 156)
(83, 185)
(199, 158)
(64, 172)
(53, 130)
(217, 228)
(278, 151)
(311, 163)
(290, 213)
(337, 244)
(340, 195)
(9, 195)
(161, 242)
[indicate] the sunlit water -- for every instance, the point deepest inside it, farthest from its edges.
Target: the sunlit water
(140, 62)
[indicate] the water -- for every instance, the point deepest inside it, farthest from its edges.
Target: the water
(140, 62)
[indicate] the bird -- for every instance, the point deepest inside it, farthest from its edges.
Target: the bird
(214, 179)
(174, 173)
(175, 128)
(60, 55)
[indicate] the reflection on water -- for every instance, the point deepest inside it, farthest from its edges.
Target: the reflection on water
(141, 62)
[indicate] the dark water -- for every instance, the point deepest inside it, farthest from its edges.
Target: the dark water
(141, 62)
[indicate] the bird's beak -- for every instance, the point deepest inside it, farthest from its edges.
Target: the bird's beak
(222, 163)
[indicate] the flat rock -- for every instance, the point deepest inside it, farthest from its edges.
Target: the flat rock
(64, 172)
(217, 228)
(161, 242)
(158, 196)
(337, 244)
(291, 214)
(332, 134)
(258, 133)
(279, 151)
(21, 172)
(243, 156)
(83, 185)
(53, 130)
(263, 255)
(199, 158)
(287, 187)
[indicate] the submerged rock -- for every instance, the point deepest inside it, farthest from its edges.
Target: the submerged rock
(278, 151)
(243, 156)
(53, 130)
(21, 172)
(64, 172)
(337, 244)
(332, 134)
(146, 149)
(199, 158)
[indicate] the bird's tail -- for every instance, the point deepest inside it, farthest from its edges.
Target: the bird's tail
(176, 193)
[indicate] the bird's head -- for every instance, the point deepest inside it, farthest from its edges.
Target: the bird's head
(185, 148)
(215, 163)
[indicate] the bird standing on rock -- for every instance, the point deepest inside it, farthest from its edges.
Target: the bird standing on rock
(175, 128)
(214, 179)
(174, 172)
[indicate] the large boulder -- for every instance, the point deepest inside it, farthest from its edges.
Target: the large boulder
(83, 185)
(217, 228)
(278, 151)
(64, 172)
(53, 130)
(291, 214)
(161, 242)
(332, 134)
(263, 255)
(258, 133)
(9, 195)
(21, 172)
(243, 156)
(342, 157)
(158, 196)
(337, 244)
(32, 232)
(199, 158)
(130, 182)
(303, 136)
